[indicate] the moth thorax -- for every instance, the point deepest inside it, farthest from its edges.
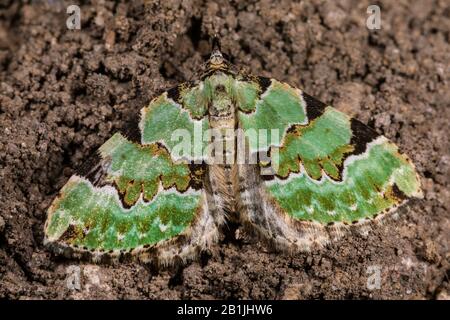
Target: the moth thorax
(222, 122)
(221, 104)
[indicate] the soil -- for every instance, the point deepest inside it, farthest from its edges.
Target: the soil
(64, 92)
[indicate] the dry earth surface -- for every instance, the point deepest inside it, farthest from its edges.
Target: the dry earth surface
(64, 92)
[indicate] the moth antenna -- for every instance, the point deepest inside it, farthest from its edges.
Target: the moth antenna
(216, 43)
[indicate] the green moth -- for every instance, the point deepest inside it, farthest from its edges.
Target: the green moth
(229, 146)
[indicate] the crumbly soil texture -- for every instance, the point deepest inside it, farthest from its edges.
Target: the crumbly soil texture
(64, 92)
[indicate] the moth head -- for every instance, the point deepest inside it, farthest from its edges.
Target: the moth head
(217, 60)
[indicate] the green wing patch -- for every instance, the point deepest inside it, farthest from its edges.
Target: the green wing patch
(278, 108)
(163, 117)
(372, 183)
(319, 147)
(94, 218)
(137, 169)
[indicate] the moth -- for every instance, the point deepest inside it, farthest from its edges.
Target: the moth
(228, 146)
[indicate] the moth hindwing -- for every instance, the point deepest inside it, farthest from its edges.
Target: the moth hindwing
(227, 147)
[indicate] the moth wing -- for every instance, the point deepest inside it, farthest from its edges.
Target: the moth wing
(132, 198)
(327, 171)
